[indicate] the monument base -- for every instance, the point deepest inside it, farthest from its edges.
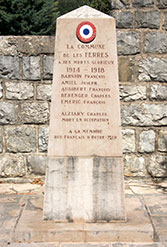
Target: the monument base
(84, 189)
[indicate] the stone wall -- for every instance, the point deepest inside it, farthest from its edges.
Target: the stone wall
(25, 89)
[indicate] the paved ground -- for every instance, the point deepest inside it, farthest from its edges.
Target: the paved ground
(21, 222)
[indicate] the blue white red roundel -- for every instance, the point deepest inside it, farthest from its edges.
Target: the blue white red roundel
(86, 32)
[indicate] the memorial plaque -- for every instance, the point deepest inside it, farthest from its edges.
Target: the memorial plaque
(84, 178)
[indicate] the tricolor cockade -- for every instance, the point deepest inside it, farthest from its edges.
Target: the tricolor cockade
(86, 32)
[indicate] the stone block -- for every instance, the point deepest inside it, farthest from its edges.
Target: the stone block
(20, 139)
(162, 141)
(8, 45)
(144, 115)
(132, 92)
(48, 67)
(1, 91)
(34, 112)
(153, 69)
(19, 91)
(44, 92)
(9, 67)
(162, 4)
(156, 42)
(128, 43)
(43, 139)
(37, 164)
(158, 92)
(1, 140)
(142, 3)
(31, 68)
(126, 69)
(135, 166)
(12, 165)
(157, 166)
(148, 19)
(164, 25)
(119, 4)
(123, 19)
(128, 138)
(7, 113)
(147, 141)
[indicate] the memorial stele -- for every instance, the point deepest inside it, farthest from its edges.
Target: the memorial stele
(84, 177)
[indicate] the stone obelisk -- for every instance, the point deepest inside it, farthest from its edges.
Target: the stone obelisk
(84, 180)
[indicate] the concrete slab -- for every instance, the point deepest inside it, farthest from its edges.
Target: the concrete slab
(157, 206)
(31, 227)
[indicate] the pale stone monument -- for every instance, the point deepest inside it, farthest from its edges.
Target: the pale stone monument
(84, 180)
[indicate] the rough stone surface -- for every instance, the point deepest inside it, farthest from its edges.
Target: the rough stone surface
(162, 4)
(7, 113)
(20, 139)
(128, 138)
(37, 164)
(156, 42)
(123, 19)
(44, 92)
(48, 67)
(12, 165)
(153, 69)
(9, 67)
(31, 68)
(1, 90)
(1, 140)
(162, 141)
(165, 21)
(144, 115)
(19, 91)
(148, 19)
(157, 166)
(142, 3)
(33, 112)
(128, 43)
(8, 45)
(132, 93)
(147, 141)
(158, 92)
(119, 4)
(126, 69)
(43, 139)
(134, 165)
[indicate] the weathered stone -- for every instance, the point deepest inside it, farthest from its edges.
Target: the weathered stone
(157, 166)
(1, 140)
(19, 91)
(128, 138)
(158, 92)
(156, 42)
(119, 4)
(33, 112)
(37, 164)
(126, 69)
(153, 69)
(142, 3)
(132, 92)
(123, 19)
(128, 43)
(9, 67)
(8, 45)
(31, 68)
(44, 92)
(162, 141)
(48, 67)
(1, 89)
(43, 139)
(12, 165)
(165, 21)
(7, 113)
(144, 114)
(148, 19)
(134, 165)
(147, 141)
(20, 139)
(162, 4)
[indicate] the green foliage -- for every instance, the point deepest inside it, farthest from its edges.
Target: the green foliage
(25, 17)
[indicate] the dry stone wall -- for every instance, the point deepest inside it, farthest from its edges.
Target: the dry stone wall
(25, 91)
